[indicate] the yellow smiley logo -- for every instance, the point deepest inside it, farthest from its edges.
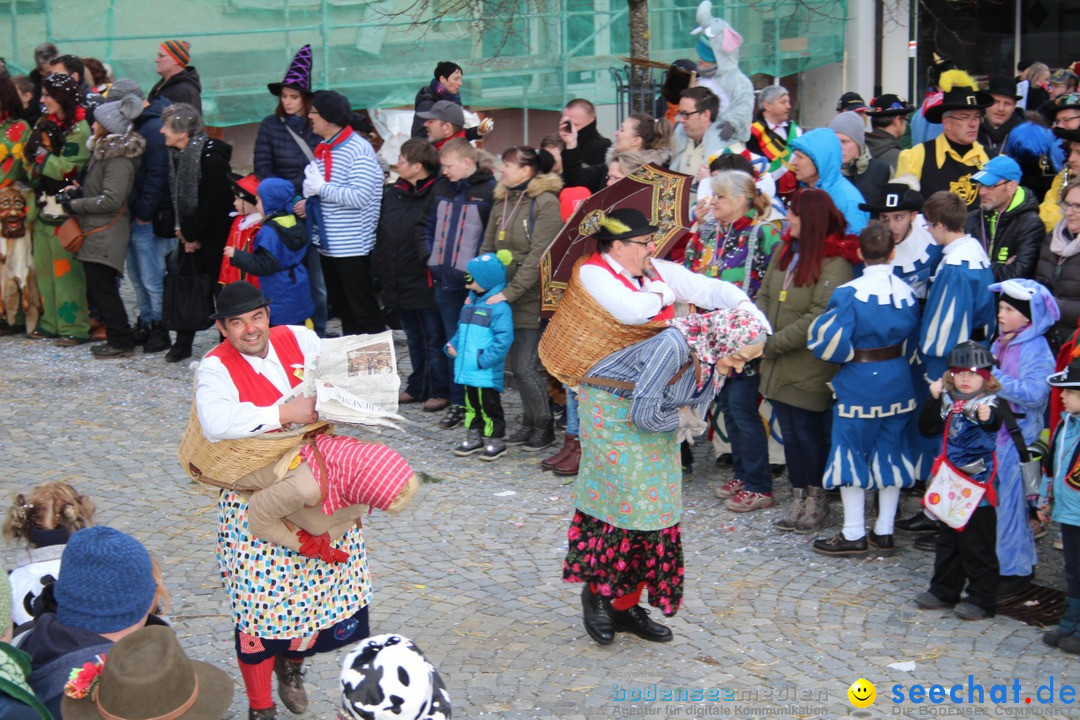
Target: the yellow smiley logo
(862, 693)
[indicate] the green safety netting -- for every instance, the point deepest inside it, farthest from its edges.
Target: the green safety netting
(516, 53)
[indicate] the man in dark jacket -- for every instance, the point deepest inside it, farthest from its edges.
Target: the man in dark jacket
(149, 201)
(588, 146)
(448, 236)
(869, 176)
(399, 267)
(1007, 221)
(105, 591)
(179, 81)
(1001, 117)
(888, 122)
(73, 66)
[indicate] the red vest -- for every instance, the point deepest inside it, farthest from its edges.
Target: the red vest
(666, 313)
(253, 387)
(241, 240)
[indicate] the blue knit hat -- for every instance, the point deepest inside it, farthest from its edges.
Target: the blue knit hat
(106, 581)
(704, 50)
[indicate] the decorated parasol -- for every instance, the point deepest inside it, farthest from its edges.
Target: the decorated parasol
(662, 195)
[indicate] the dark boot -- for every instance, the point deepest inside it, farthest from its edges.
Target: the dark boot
(181, 349)
(142, 332)
(571, 461)
(265, 714)
(157, 339)
(815, 511)
(1068, 626)
(597, 617)
(541, 437)
(473, 443)
(636, 620)
(551, 462)
(494, 448)
(291, 684)
(795, 510)
(918, 524)
(521, 435)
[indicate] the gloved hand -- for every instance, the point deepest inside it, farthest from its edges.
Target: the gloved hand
(313, 180)
(318, 547)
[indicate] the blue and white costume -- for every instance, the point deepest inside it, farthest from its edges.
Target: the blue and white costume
(874, 398)
(1025, 362)
(959, 306)
(917, 257)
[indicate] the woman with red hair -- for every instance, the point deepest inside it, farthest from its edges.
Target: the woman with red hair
(815, 257)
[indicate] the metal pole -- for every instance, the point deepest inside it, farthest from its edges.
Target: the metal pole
(326, 42)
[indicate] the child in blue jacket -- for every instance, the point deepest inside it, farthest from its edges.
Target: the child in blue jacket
(1059, 498)
(479, 348)
(278, 255)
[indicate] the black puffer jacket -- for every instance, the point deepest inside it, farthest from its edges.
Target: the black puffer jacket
(400, 270)
(276, 152)
(1062, 277)
(183, 87)
(1018, 236)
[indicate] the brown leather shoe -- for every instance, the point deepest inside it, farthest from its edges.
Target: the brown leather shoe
(69, 341)
(551, 462)
(571, 461)
(291, 684)
(435, 404)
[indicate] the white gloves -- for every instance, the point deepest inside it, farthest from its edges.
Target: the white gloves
(313, 180)
(660, 288)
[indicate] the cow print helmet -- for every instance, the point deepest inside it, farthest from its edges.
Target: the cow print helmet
(388, 677)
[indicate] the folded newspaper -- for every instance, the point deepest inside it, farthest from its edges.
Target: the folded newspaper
(355, 381)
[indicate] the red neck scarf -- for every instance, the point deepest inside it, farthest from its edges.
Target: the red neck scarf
(322, 150)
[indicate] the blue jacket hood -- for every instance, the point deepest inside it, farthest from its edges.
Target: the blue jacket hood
(489, 272)
(276, 194)
(1044, 308)
(823, 147)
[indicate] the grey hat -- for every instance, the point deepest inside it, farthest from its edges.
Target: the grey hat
(116, 116)
(850, 124)
(446, 111)
(124, 87)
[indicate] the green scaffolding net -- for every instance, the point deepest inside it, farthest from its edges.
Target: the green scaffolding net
(516, 53)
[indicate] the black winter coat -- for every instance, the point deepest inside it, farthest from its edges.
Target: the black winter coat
(397, 264)
(276, 152)
(151, 190)
(993, 139)
(1061, 276)
(1019, 236)
(592, 147)
(210, 224)
(871, 183)
(183, 87)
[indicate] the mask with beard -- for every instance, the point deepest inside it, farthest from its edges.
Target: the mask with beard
(12, 212)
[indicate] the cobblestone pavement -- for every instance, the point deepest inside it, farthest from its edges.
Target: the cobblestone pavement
(472, 572)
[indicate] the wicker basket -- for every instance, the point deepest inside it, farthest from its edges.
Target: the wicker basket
(223, 463)
(582, 332)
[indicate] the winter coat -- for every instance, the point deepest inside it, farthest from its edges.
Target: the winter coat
(993, 139)
(211, 223)
(1019, 234)
(823, 148)
(592, 147)
(452, 228)
(680, 143)
(484, 332)
(529, 230)
(48, 173)
(871, 181)
(789, 371)
(278, 256)
(1061, 471)
(106, 186)
(1024, 363)
(398, 260)
(183, 87)
(883, 147)
(276, 152)
(594, 177)
(150, 191)
(1062, 277)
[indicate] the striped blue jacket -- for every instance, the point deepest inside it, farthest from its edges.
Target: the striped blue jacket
(350, 199)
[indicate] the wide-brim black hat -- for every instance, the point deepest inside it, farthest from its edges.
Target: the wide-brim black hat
(897, 197)
(238, 298)
(1067, 378)
(1065, 101)
(1003, 86)
(884, 106)
(959, 98)
(1067, 135)
(623, 224)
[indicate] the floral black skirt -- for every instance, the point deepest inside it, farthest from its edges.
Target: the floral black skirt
(617, 560)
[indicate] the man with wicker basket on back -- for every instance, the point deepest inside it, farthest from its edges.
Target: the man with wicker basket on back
(290, 488)
(618, 304)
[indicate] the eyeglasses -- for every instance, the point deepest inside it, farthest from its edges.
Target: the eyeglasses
(1059, 120)
(637, 242)
(964, 119)
(684, 114)
(998, 184)
(1068, 207)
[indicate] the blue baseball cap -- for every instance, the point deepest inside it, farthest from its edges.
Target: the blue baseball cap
(998, 169)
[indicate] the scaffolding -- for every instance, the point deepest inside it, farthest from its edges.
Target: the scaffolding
(534, 54)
